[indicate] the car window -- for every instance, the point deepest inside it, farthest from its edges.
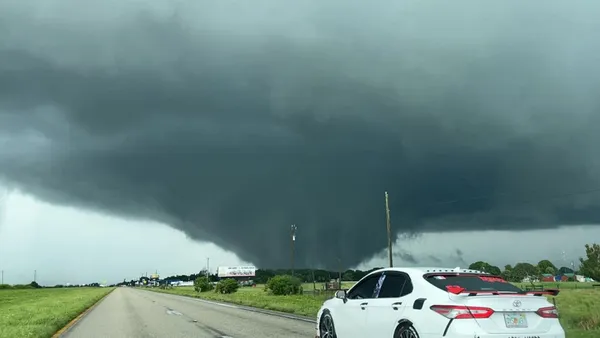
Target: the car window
(364, 289)
(395, 285)
(472, 282)
(378, 285)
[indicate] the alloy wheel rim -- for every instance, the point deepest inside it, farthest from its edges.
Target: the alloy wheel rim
(408, 333)
(327, 330)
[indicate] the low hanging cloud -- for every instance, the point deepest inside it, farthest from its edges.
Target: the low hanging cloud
(232, 120)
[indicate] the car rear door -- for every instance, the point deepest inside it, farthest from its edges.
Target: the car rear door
(389, 303)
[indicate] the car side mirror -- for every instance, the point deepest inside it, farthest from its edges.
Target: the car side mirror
(341, 294)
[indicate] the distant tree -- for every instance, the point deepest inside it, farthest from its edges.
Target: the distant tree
(486, 267)
(228, 285)
(590, 267)
(522, 270)
(262, 275)
(563, 269)
(284, 285)
(545, 266)
(35, 285)
(348, 275)
(202, 284)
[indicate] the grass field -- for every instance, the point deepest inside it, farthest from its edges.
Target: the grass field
(578, 303)
(38, 313)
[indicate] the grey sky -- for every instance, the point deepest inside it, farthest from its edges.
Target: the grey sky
(231, 120)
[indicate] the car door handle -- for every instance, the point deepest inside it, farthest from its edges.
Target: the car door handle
(363, 305)
(395, 305)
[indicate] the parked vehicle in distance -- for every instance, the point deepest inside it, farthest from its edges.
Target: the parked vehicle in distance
(437, 302)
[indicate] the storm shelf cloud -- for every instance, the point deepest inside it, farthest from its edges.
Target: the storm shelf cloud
(231, 120)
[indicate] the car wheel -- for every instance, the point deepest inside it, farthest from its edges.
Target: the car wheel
(407, 331)
(326, 326)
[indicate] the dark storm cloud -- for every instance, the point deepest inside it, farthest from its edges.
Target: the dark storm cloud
(232, 120)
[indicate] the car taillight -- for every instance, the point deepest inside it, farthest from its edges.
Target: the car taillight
(548, 312)
(462, 312)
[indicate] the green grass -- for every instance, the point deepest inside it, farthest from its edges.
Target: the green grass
(41, 312)
(578, 303)
(579, 310)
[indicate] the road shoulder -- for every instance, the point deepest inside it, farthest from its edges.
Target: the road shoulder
(74, 321)
(243, 307)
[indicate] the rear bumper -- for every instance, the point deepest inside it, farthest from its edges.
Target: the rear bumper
(498, 335)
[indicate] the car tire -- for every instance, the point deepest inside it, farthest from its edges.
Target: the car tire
(406, 331)
(326, 326)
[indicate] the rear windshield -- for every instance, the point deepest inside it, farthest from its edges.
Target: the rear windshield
(472, 283)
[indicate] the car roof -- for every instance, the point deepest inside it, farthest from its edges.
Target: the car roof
(425, 270)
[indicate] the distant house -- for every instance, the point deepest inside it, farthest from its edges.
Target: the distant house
(564, 277)
(583, 279)
(561, 278)
(530, 280)
(547, 277)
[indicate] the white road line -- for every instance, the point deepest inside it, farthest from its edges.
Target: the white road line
(220, 304)
(173, 312)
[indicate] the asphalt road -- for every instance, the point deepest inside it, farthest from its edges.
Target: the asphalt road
(131, 313)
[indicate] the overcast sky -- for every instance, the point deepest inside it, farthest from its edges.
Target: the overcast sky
(66, 245)
(227, 121)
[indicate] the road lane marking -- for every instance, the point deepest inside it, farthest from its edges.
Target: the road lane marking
(220, 304)
(173, 312)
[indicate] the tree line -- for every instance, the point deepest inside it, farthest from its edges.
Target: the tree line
(588, 267)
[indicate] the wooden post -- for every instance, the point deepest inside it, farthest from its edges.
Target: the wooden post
(389, 230)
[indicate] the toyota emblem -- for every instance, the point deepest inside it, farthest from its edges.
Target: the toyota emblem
(517, 303)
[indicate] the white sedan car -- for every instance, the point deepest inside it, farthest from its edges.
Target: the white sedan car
(435, 303)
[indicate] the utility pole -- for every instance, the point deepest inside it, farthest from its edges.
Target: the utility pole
(389, 229)
(207, 267)
(34, 275)
(340, 274)
(293, 228)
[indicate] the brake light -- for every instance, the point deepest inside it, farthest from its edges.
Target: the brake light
(462, 312)
(548, 312)
(455, 289)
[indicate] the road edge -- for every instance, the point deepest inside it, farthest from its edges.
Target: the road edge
(245, 307)
(79, 317)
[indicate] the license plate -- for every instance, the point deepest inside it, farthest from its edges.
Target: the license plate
(515, 320)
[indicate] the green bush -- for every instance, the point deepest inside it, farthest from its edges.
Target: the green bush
(284, 285)
(202, 284)
(227, 286)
